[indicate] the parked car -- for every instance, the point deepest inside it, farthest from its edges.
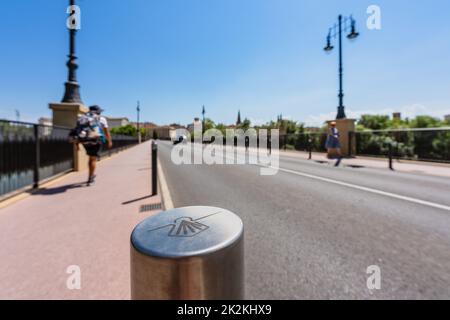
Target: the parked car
(180, 139)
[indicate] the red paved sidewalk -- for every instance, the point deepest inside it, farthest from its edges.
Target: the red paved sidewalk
(67, 224)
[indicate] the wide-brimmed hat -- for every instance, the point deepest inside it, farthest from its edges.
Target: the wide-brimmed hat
(96, 109)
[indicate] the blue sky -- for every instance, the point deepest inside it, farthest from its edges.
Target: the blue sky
(263, 57)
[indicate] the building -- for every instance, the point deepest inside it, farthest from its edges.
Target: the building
(45, 122)
(148, 125)
(45, 126)
(117, 122)
(447, 118)
(397, 116)
(163, 133)
(197, 122)
(144, 125)
(177, 126)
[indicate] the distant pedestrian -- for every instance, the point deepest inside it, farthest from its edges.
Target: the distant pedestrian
(333, 145)
(92, 132)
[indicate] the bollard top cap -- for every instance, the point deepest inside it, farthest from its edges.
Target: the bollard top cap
(187, 232)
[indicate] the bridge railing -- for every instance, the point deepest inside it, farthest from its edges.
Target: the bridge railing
(120, 143)
(308, 141)
(427, 144)
(32, 153)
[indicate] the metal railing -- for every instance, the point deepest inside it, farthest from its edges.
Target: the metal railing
(427, 144)
(120, 143)
(31, 153)
(423, 144)
(308, 141)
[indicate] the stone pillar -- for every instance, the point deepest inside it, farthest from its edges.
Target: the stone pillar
(66, 115)
(345, 126)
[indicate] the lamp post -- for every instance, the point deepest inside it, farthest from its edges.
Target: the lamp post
(138, 109)
(203, 113)
(352, 35)
(72, 92)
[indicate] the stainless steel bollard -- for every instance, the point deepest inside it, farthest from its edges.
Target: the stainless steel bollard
(193, 253)
(154, 168)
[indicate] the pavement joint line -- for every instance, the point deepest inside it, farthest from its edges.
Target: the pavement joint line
(165, 192)
(371, 190)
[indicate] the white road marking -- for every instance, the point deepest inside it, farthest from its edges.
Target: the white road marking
(371, 190)
(357, 187)
(165, 192)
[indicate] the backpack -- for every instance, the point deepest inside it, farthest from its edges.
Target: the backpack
(88, 130)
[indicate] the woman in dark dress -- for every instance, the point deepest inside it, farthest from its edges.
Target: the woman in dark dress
(333, 142)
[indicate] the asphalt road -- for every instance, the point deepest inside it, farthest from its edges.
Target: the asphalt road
(312, 230)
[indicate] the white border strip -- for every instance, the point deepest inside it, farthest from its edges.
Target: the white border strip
(165, 192)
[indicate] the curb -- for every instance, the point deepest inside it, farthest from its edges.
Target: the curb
(166, 198)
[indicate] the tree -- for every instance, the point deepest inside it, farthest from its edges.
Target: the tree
(127, 130)
(245, 125)
(425, 122)
(222, 128)
(375, 122)
(290, 126)
(209, 124)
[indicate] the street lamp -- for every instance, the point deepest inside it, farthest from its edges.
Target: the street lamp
(138, 109)
(203, 113)
(72, 92)
(328, 48)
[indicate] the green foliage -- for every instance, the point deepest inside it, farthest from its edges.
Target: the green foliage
(380, 122)
(285, 126)
(208, 124)
(374, 122)
(290, 147)
(245, 125)
(127, 130)
(25, 132)
(426, 122)
(441, 146)
(431, 145)
(222, 128)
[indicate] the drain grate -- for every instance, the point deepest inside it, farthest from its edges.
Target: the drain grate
(151, 207)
